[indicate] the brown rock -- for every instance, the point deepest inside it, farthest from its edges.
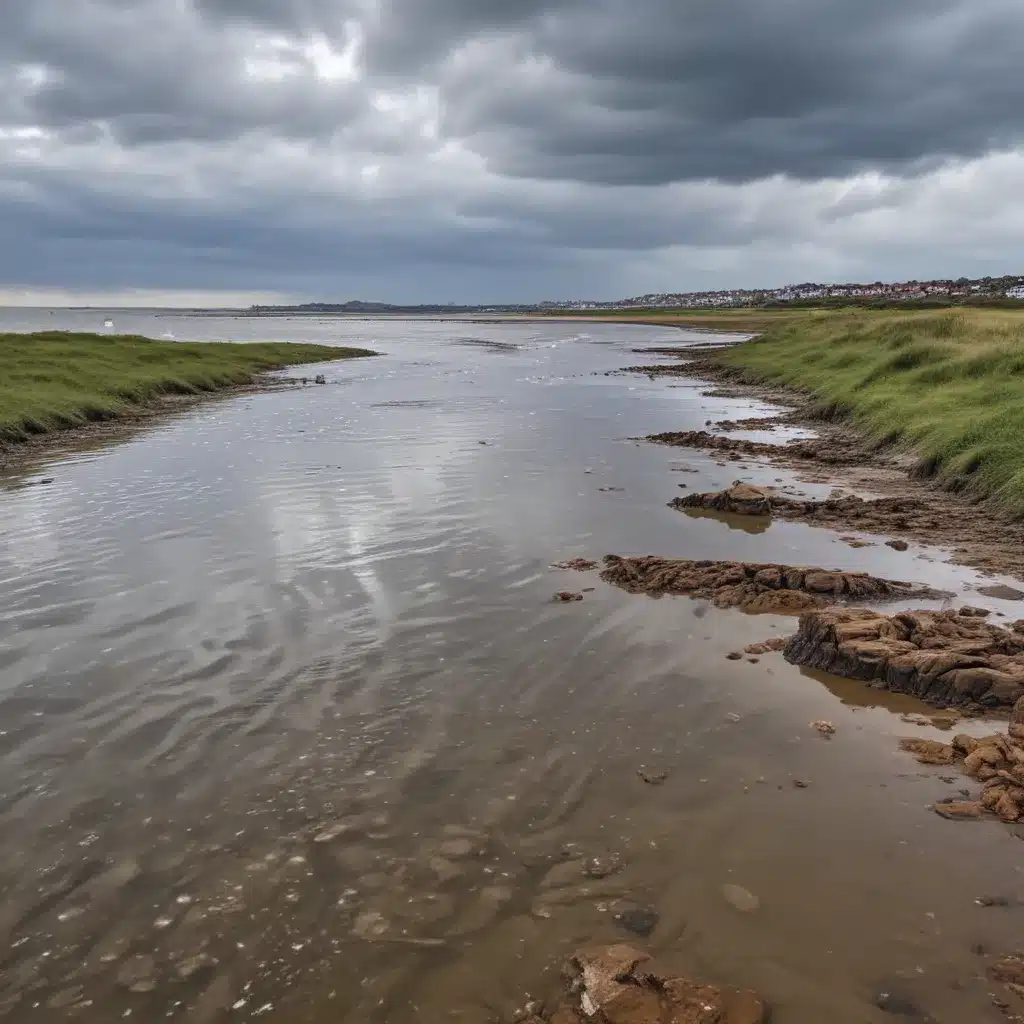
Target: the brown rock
(767, 646)
(977, 613)
(618, 985)
(751, 586)
(959, 809)
(1006, 808)
(964, 745)
(740, 499)
(1008, 969)
(578, 564)
(928, 751)
(943, 657)
(1016, 728)
(897, 545)
(983, 755)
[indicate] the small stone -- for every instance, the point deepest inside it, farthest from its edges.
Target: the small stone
(897, 545)
(958, 810)
(638, 920)
(567, 596)
(734, 656)
(740, 898)
(652, 778)
(800, 784)
(826, 729)
(898, 1004)
(971, 612)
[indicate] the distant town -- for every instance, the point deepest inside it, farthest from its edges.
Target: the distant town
(1009, 288)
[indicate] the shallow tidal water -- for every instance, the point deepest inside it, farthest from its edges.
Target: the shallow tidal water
(291, 729)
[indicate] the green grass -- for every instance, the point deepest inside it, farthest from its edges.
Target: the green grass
(947, 385)
(55, 380)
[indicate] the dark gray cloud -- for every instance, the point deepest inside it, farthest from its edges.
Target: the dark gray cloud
(736, 90)
(488, 148)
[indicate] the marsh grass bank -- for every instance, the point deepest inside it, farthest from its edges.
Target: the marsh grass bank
(55, 380)
(948, 386)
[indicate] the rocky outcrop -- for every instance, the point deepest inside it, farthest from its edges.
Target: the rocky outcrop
(997, 761)
(754, 587)
(740, 499)
(918, 516)
(620, 985)
(943, 657)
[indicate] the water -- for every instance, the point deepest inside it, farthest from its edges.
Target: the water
(290, 728)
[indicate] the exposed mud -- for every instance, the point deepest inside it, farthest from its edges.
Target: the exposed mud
(621, 985)
(488, 345)
(944, 657)
(832, 451)
(752, 423)
(904, 500)
(753, 587)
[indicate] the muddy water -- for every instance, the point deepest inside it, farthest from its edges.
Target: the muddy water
(291, 730)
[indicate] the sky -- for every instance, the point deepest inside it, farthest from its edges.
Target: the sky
(217, 152)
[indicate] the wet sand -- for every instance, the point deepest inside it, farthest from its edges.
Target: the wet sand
(292, 729)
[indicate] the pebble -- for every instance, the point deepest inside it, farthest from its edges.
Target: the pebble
(898, 1005)
(638, 920)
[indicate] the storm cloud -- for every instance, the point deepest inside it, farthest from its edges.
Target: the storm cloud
(480, 150)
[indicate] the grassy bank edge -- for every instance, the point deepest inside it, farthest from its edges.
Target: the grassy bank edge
(55, 381)
(946, 386)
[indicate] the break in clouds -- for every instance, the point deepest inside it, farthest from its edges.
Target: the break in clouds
(474, 150)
